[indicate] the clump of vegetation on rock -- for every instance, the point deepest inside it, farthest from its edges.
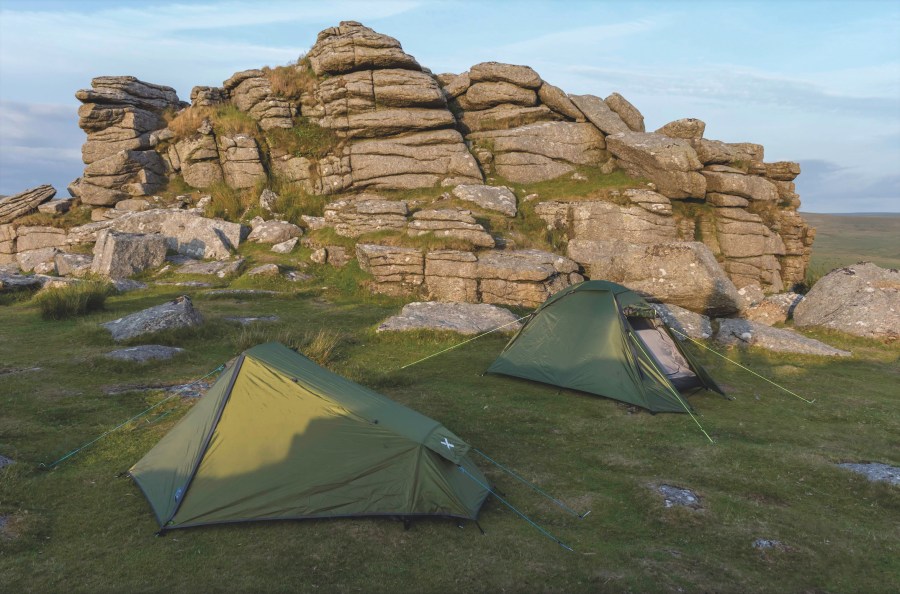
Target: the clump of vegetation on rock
(292, 80)
(226, 120)
(73, 300)
(305, 139)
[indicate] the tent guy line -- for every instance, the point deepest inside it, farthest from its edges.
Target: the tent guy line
(178, 392)
(532, 485)
(520, 514)
(741, 366)
(465, 342)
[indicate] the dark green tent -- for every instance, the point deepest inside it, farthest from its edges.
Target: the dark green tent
(603, 338)
(278, 437)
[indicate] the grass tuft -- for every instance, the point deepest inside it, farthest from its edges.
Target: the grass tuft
(293, 80)
(73, 300)
(305, 139)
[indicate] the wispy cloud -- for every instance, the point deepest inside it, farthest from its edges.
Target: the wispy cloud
(178, 44)
(736, 85)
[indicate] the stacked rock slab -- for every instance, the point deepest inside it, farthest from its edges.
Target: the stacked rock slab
(520, 126)
(119, 114)
(23, 203)
(398, 132)
(365, 213)
(518, 277)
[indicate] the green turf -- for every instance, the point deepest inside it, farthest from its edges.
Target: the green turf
(771, 473)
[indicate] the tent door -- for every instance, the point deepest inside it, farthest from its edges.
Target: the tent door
(665, 353)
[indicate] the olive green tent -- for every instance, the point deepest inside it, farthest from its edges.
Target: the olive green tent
(603, 338)
(278, 437)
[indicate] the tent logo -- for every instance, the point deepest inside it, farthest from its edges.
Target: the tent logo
(449, 445)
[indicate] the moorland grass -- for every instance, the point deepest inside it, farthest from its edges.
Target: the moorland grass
(771, 473)
(72, 300)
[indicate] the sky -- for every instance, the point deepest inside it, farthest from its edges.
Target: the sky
(815, 82)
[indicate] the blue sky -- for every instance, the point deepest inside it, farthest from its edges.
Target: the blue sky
(815, 82)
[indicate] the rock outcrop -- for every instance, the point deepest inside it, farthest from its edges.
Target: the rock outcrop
(120, 114)
(359, 114)
(17, 205)
(863, 299)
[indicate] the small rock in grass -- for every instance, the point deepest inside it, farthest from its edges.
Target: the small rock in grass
(678, 496)
(264, 270)
(251, 319)
(4, 461)
(147, 352)
(297, 277)
(285, 247)
(124, 285)
(875, 471)
(765, 543)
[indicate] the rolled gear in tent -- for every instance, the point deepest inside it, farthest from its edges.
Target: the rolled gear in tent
(602, 338)
(278, 437)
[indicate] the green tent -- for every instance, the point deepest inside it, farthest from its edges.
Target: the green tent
(278, 437)
(602, 338)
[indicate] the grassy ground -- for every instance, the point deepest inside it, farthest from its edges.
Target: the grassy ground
(771, 473)
(846, 239)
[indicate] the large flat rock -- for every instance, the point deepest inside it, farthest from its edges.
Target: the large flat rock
(179, 313)
(465, 318)
(744, 333)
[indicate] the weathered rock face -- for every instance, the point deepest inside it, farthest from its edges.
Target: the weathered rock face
(681, 273)
(73, 264)
(774, 309)
(198, 159)
(120, 255)
(450, 222)
(179, 313)
(737, 332)
(684, 322)
(499, 199)
(671, 163)
(365, 213)
(23, 203)
(647, 220)
(273, 231)
(251, 92)
(35, 238)
(541, 151)
(241, 162)
(185, 233)
(863, 299)
(397, 270)
(119, 114)
(598, 113)
(523, 277)
(628, 112)
(687, 128)
(465, 318)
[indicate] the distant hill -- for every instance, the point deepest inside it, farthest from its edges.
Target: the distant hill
(843, 239)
